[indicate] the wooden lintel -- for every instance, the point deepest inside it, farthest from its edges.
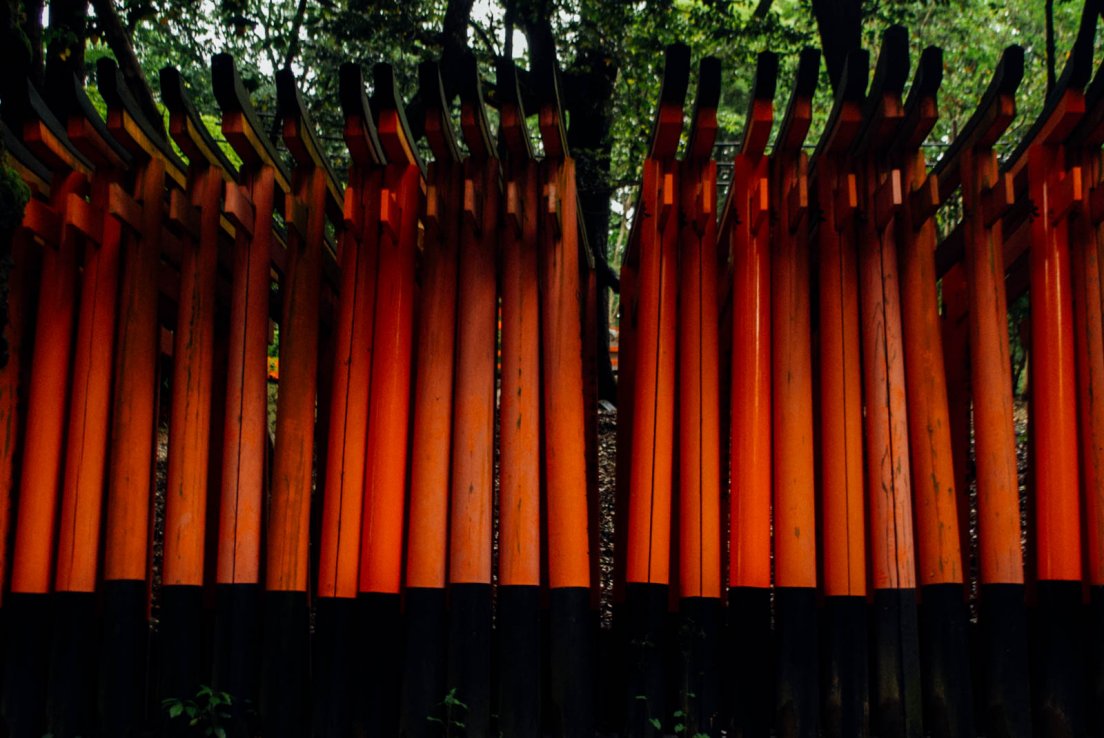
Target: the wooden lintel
(924, 201)
(183, 216)
(1063, 193)
(238, 208)
(888, 199)
(996, 200)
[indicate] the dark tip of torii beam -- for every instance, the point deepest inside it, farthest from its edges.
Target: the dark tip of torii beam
(117, 94)
(850, 92)
(33, 109)
(512, 109)
(386, 97)
(921, 110)
(473, 118)
(232, 97)
(890, 76)
(1075, 75)
(20, 153)
(302, 141)
(672, 98)
(102, 148)
(798, 116)
(760, 111)
(197, 143)
(363, 141)
(1004, 83)
(546, 82)
(703, 121)
(434, 123)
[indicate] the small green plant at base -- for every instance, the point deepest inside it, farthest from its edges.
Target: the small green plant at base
(453, 708)
(207, 714)
(679, 728)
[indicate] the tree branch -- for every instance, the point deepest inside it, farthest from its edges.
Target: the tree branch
(296, 26)
(484, 37)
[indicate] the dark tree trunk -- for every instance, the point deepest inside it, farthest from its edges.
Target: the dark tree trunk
(840, 26)
(119, 41)
(591, 102)
(65, 52)
(32, 29)
(535, 17)
(454, 42)
(16, 53)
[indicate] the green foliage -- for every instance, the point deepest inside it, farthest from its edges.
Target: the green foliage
(14, 195)
(451, 710)
(206, 715)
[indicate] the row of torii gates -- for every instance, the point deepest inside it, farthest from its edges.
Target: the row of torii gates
(798, 369)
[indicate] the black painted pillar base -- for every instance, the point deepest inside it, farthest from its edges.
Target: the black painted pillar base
(571, 662)
(285, 665)
(797, 694)
(1095, 676)
(469, 659)
(700, 628)
(335, 657)
(1002, 662)
(519, 661)
(424, 664)
(180, 642)
(71, 702)
(1058, 673)
(123, 657)
(609, 688)
(897, 696)
(645, 698)
(749, 663)
(26, 663)
(945, 662)
(377, 672)
(845, 706)
(237, 650)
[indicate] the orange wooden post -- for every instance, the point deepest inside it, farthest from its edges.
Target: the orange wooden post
(1054, 186)
(1085, 241)
(381, 532)
(972, 163)
(947, 687)
(431, 448)
(698, 409)
(16, 336)
(339, 557)
(519, 502)
(647, 572)
(745, 244)
(564, 416)
(954, 330)
(746, 237)
(77, 565)
(55, 222)
(187, 493)
(314, 196)
(127, 519)
(245, 434)
(472, 492)
(843, 532)
(795, 527)
(896, 695)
